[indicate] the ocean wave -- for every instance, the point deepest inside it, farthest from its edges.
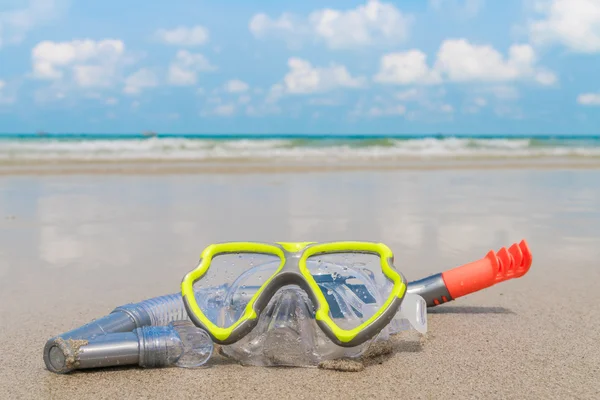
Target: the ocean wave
(186, 149)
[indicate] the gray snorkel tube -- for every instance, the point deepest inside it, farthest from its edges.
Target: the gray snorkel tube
(152, 333)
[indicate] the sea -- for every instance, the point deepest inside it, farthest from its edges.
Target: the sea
(116, 147)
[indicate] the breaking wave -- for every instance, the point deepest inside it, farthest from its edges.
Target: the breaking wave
(325, 149)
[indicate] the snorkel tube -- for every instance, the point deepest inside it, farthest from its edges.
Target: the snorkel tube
(492, 269)
(152, 333)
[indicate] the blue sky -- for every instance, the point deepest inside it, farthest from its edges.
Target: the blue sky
(448, 66)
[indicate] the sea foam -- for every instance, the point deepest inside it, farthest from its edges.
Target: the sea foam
(194, 149)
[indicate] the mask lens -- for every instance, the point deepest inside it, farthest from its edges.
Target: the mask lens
(353, 284)
(230, 282)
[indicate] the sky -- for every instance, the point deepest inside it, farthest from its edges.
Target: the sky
(318, 67)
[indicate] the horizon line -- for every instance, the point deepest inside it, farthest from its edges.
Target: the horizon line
(151, 134)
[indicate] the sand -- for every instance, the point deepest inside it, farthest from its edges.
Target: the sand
(74, 246)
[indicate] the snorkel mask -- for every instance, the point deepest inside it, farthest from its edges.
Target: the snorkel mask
(287, 332)
(302, 265)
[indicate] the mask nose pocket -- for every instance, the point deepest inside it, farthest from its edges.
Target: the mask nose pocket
(289, 327)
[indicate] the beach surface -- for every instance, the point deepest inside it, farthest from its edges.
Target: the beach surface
(75, 246)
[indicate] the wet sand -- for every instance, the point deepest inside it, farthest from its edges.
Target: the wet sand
(255, 166)
(74, 246)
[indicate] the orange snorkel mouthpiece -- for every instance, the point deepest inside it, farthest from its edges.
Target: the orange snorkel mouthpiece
(488, 271)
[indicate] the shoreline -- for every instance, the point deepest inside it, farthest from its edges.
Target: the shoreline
(251, 166)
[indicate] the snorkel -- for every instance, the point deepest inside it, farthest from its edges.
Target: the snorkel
(159, 332)
(488, 271)
(152, 333)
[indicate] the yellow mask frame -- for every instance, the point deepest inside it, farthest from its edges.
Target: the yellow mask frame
(293, 270)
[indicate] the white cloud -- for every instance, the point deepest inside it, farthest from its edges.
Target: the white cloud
(324, 102)
(474, 105)
(304, 78)
(16, 24)
(471, 109)
(244, 99)
(497, 97)
(509, 111)
(183, 36)
(236, 86)
(460, 61)
(275, 93)
(378, 111)
(589, 99)
(261, 25)
(92, 75)
(262, 110)
(140, 80)
(407, 95)
(52, 93)
(5, 98)
(572, 23)
(93, 95)
(184, 70)
(89, 63)
(464, 8)
(362, 26)
(545, 77)
(224, 110)
(480, 102)
(426, 103)
(406, 68)
(501, 92)
(369, 24)
(447, 108)
(220, 109)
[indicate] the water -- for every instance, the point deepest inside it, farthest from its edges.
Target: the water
(104, 147)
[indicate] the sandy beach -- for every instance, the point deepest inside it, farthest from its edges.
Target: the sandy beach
(75, 246)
